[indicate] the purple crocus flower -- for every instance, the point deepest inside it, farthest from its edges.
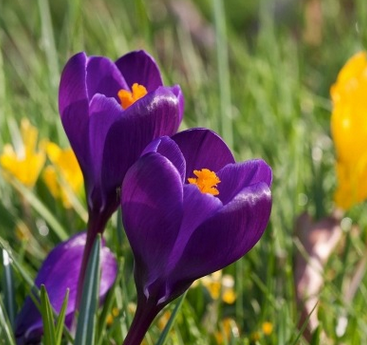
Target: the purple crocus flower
(189, 210)
(110, 112)
(60, 271)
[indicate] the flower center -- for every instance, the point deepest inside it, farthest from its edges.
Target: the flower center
(206, 180)
(128, 98)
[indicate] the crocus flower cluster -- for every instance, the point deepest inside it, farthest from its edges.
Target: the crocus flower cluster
(110, 112)
(188, 208)
(349, 131)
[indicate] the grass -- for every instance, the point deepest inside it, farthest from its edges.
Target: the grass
(247, 72)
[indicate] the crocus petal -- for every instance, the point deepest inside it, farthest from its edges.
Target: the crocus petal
(234, 177)
(139, 67)
(74, 106)
(154, 115)
(103, 113)
(226, 236)
(203, 148)
(169, 149)
(57, 274)
(197, 208)
(104, 77)
(72, 84)
(152, 208)
(181, 101)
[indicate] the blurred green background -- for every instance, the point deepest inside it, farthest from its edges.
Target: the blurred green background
(258, 73)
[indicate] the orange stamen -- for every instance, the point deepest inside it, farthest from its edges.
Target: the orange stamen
(206, 180)
(128, 98)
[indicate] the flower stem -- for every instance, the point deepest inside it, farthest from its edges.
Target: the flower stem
(145, 313)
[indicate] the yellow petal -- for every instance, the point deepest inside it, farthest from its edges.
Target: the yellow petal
(68, 173)
(25, 164)
(229, 296)
(26, 170)
(352, 183)
(29, 135)
(267, 328)
(53, 151)
(349, 130)
(50, 178)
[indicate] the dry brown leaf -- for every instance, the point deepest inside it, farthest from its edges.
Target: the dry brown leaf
(316, 242)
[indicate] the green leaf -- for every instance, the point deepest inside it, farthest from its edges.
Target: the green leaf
(119, 233)
(25, 275)
(107, 306)
(88, 307)
(8, 287)
(224, 80)
(5, 326)
(61, 318)
(304, 325)
(49, 336)
(163, 338)
(107, 309)
(49, 42)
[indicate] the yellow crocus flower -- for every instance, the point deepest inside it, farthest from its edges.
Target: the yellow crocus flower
(228, 329)
(219, 285)
(63, 174)
(349, 131)
(267, 328)
(111, 317)
(24, 162)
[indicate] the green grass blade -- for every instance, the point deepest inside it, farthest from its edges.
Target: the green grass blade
(163, 338)
(42, 210)
(49, 42)
(107, 305)
(49, 336)
(34, 296)
(61, 318)
(6, 332)
(5, 246)
(8, 287)
(299, 335)
(223, 72)
(3, 104)
(107, 308)
(120, 234)
(87, 317)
